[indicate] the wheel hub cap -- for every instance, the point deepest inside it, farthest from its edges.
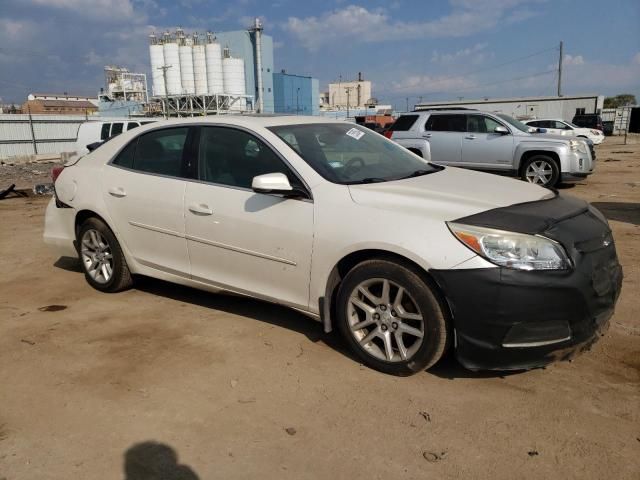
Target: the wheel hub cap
(96, 256)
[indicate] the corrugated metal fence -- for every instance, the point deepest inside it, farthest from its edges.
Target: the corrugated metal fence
(34, 134)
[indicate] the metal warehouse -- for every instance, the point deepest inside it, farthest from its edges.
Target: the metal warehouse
(529, 107)
(295, 94)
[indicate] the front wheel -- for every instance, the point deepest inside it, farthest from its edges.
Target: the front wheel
(391, 318)
(541, 170)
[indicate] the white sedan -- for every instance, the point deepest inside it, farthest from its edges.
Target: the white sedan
(560, 127)
(405, 258)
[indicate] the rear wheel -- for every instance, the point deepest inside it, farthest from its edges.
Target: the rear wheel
(541, 170)
(391, 318)
(103, 262)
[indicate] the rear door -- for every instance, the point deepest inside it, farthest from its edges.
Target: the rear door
(484, 148)
(444, 133)
(143, 188)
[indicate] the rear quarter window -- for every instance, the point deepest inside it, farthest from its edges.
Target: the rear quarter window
(104, 132)
(404, 123)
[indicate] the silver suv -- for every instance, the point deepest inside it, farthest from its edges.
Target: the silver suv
(494, 142)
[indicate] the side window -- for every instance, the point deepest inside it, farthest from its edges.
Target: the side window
(447, 123)
(116, 129)
(534, 124)
(233, 157)
(125, 157)
(561, 126)
(491, 124)
(104, 131)
(132, 125)
(475, 123)
(160, 151)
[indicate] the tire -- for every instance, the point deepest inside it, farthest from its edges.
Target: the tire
(540, 170)
(396, 320)
(98, 247)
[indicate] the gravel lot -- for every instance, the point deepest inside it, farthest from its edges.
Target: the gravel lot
(165, 378)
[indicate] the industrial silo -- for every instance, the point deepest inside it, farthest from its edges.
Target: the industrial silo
(186, 63)
(199, 67)
(234, 84)
(156, 52)
(172, 61)
(215, 82)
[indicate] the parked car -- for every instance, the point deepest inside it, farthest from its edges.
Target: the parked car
(404, 257)
(560, 127)
(94, 132)
(493, 142)
(589, 120)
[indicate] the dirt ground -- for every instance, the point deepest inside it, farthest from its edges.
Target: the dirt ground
(165, 378)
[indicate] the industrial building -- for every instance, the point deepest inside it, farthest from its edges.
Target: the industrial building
(564, 107)
(295, 94)
(59, 104)
(124, 94)
(350, 94)
(200, 75)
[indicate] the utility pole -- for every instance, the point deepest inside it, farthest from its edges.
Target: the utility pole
(164, 69)
(560, 70)
(407, 104)
(33, 134)
(348, 90)
(298, 101)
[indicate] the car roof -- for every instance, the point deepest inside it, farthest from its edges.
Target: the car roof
(544, 120)
(252, 121)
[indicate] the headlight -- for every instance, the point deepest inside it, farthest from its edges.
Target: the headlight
(512, 250)
(595, 132)
(578, 145)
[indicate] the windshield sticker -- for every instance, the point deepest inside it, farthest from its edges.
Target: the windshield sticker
(355, 133)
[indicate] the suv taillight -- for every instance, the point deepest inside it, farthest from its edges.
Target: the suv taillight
(388, 134)
(55, 172)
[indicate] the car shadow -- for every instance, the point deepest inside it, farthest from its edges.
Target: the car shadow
(155, 461)
(620, 211)
(448, 367)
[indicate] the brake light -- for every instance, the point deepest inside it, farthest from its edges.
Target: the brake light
(55, 172)
(388, 134)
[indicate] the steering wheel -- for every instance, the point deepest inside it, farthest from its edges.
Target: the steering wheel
(353, 165)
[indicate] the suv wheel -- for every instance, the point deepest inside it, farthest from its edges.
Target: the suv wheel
(391, 319)
(541, 170)
(103, 262)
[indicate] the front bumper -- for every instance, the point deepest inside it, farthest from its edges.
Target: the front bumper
(509, 319)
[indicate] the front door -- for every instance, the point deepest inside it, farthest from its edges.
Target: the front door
(143, 190)
(249, 242)
(482, 147)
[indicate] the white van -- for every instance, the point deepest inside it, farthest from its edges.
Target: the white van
(99, 131)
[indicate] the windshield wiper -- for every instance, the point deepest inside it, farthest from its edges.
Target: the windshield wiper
(417, 173)
(372, 180)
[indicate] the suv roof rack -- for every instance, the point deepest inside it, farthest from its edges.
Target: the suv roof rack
(436, 109)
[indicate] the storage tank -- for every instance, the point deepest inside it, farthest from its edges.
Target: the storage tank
(215, 80)
(172, 60)
(186, 65)
(233, 73)
(156, 52)
(199, 67)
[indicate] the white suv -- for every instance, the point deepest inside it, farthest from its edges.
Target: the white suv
(560, 127)
(493, 142)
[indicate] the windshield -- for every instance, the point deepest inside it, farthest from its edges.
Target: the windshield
(347, 154)
(514, 123)
(572, 124)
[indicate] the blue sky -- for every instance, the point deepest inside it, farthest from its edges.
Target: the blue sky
(432, 50)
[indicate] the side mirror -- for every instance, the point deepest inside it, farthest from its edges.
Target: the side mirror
(271, 183)
(501, 130)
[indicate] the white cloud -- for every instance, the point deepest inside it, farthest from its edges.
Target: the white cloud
(429, 83)
(95, 9)
(359, 24)
(475, 51)
(571, 60)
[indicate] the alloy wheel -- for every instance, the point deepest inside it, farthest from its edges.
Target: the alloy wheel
(385, 320)
(539, 172)
(96, 256)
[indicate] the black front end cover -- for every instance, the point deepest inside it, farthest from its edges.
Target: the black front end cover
(509, 319)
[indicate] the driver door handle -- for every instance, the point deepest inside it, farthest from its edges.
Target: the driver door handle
(426, 135)
(117, 192)
(200, 209)
(470, 137)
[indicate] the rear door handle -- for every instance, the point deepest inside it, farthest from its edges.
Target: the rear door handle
(470, 137)
(426, 135)
(117, 192)
(200, 209)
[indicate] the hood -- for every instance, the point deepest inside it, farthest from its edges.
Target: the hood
(448, 194)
